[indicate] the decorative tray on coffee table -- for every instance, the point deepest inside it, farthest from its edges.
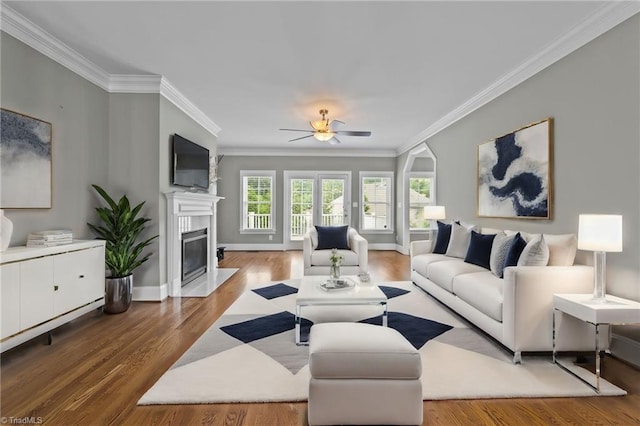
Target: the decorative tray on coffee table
(339, 284)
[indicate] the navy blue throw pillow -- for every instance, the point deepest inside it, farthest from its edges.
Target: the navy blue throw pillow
(442, 240)
(330, 237)
(479, 250)
(515, 249)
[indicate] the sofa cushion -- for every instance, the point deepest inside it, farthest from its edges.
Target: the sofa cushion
(479, 249)
(535, 253)
(482, 290)
(442, 239)
(330, 237)
(419, 263)
(499, 248)
(515, 249)
(442, 273)
(321, 258)
(562, 249)
(459, 241)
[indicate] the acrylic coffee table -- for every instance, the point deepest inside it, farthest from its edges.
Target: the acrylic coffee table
(311, 294)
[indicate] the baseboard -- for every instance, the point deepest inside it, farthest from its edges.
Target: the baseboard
(382, 246)
(626, 349)
(401, 249)
(150, 294)
(252, 247)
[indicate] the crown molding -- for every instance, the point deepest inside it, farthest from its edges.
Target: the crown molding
(16, 25)
(121, 83)
(304, 152)
(601, 21)
(176, 97)
(35, 37)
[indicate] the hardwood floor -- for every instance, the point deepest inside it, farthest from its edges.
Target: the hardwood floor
(100, 365)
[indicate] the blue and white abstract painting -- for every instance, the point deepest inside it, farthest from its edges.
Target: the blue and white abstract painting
(513, 174)
(25, 161)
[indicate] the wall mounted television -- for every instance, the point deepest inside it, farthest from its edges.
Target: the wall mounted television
(190, 164)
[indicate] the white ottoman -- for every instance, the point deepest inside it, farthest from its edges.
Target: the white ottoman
(363, 374)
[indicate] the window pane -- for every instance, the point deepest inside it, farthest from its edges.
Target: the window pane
(419, 197)
(301, 193)
(257, 200)
(376, 193)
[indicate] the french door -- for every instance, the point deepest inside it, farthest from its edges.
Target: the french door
(315, 198)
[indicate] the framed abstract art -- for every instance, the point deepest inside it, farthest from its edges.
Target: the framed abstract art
(514, 173)
(25, 161)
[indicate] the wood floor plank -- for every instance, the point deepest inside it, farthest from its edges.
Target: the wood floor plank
(100, 365)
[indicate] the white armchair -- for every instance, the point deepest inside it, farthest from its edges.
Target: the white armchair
(316, 262)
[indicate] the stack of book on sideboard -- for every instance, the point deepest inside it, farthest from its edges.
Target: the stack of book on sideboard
(50, 238)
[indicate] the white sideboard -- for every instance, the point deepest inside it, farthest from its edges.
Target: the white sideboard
(43, 288)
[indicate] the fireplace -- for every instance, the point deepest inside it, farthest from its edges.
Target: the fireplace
(194, 255)
(187, 212)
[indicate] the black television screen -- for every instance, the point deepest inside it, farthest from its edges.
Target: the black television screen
(190, 163)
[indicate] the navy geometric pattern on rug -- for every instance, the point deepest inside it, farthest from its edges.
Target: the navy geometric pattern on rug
(266, 326)
(277, 290)
(416, 330)
(392, 292)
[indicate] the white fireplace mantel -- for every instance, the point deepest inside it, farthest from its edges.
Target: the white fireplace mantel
(188, 211)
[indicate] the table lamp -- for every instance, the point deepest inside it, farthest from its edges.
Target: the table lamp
(433, 213)
(600, 233)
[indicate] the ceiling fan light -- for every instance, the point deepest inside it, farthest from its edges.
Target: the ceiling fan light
(323, 136)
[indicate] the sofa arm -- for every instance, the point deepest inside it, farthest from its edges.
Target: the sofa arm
(360, 246)
(420, 247)
(307, 249)
(528, 306)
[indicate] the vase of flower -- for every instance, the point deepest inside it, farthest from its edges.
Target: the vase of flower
(334, 269)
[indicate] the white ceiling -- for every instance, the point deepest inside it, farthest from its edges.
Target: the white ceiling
(394, 68)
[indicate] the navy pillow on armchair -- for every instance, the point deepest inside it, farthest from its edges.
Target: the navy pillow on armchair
(330, 237)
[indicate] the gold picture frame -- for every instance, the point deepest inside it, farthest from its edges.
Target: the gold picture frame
(515, 174)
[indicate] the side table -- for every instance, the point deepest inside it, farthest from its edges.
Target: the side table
(614, 311)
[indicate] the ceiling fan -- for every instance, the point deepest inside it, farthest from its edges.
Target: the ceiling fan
(324, 131)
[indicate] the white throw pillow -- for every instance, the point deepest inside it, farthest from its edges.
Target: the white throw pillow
(459, 241)
(536, 253)
(499, 249)
(562, 249)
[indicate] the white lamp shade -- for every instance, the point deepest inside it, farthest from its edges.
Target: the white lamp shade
(434, 212)
(600, 232)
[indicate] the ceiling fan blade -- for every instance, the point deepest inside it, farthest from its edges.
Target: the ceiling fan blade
(337, 124)
(353, 133)
(334, 141)
(302, 137)
(297, 130)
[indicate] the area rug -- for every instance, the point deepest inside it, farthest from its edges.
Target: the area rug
(249, 354)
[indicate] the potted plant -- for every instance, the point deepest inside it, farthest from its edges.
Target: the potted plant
(120, 229)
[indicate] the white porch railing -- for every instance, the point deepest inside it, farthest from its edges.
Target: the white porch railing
(258, 221)
(300, 223)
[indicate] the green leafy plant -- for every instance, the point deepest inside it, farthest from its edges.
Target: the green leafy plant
(120, 229)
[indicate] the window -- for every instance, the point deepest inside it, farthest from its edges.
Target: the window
(258, 201)
(420, 196)
(376, 197)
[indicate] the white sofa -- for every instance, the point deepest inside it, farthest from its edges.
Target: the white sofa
(516, 310)
(316, 262)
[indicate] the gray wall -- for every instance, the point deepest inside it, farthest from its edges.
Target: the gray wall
(230, 187)
(118, 141)
(34, 85)
(173, 120)
(134, 156)
(593, 96)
